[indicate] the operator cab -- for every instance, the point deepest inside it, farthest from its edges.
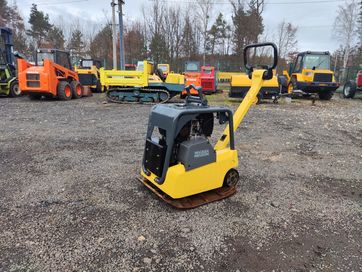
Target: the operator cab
(57, 56)
(164, 68)
(88, 63)
(192, 66)
(313, 61)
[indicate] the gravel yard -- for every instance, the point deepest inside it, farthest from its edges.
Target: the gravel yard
(70, 201)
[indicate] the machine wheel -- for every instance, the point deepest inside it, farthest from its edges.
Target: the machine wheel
(231, 178)
(349, 89)
(35, 96)
(14, 89)
(326, 95)
(76, 89)
(64, 90)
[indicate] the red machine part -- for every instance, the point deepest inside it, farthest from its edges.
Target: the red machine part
(208, 79)
(359, 79)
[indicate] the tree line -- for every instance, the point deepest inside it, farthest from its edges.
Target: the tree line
(348, 32)
(165, 34)
(173, 33)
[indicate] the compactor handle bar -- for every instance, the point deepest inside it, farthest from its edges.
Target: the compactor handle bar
(200, 99)
(269, 69)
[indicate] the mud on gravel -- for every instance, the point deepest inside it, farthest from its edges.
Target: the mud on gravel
(69, 199)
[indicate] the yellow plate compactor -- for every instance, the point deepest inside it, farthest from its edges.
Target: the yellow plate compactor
(179, 164)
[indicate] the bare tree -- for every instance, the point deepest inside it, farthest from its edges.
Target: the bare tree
(173, 32)
(258, 6)
(346, 29)
(286, 39)
(204, 13)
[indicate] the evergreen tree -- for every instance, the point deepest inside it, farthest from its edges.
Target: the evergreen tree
(101, 46)
(240, 24)
(248, 24)
(39, 25)
(56, 37)
(189, 44)
(135, 44)
(218, 34)
(158, 48)
(76, 42)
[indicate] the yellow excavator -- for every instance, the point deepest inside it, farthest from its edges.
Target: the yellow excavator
(180, 165)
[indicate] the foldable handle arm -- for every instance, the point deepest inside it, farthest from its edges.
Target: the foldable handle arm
(257, 79)
(269, 68)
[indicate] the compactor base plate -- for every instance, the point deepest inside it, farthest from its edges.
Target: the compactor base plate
(193, 201)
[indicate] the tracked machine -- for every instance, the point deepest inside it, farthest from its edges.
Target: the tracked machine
(141, 86)
(180, 165)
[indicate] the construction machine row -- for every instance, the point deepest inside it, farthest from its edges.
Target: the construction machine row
(53, 75)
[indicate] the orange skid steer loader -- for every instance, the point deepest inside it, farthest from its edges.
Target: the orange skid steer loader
(51, 76)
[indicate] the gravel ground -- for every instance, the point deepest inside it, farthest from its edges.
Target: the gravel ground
(69, 199)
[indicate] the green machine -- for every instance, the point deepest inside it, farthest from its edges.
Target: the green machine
(8, 78)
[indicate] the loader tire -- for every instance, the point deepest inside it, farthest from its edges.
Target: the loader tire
(14, 89)
(76, 89)
(326, 95)
(349, 89)
(64, 91)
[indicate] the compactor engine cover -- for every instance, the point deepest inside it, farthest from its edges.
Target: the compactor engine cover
(179, 134)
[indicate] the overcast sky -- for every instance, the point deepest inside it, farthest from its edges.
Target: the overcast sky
(314, 18)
